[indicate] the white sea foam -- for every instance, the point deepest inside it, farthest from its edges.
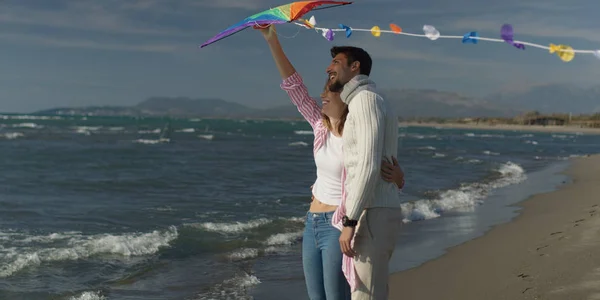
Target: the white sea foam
(277, 243)
(27, 125)
(77, 246)
(296, 219)
(12, 135)
(27, 117)
(277, 250)
(467, 161)
(421, 137)
(287, 238)
(208, 137)
(153, 131)
(242, 254)
(463, 197)
(231, 289)
(152, 142)
(487, 152)
(427, 148)
(231, 227)
(303, 144)
(87, 128)
(303, 132)
(471, 134)
(187, 130)
(89, 296)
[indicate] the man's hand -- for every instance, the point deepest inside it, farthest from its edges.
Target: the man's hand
(391, 172)
(345, 239)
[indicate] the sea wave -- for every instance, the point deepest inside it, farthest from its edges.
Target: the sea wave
(466, 196)
(70, 246)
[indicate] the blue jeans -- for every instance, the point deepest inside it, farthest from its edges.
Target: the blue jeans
(322, 259)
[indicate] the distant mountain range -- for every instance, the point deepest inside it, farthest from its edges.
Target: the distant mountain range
(409, 103)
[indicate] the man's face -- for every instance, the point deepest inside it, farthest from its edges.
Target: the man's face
(340, 72)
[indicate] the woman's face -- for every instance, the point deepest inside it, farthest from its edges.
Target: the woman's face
(333, 106)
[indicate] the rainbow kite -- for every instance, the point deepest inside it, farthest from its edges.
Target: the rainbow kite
(282, 14)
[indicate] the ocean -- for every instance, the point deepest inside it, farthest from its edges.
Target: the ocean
(119, 208)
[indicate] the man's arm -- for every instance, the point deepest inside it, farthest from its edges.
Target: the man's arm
(369, 118)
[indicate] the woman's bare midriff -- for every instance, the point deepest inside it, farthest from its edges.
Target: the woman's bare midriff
(317, 206)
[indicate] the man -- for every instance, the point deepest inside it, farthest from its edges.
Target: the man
(373, 216)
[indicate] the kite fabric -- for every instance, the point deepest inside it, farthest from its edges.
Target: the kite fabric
(281, 14)
(565, 52)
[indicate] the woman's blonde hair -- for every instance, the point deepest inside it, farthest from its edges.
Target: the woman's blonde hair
(327, 121)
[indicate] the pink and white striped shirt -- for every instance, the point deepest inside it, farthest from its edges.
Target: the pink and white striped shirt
(311, 111)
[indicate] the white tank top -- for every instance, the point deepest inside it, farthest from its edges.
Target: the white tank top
(328, 159)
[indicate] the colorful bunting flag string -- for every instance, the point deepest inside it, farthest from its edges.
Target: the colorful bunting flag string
(564, 52)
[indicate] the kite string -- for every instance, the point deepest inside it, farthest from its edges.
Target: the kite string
(444, 37)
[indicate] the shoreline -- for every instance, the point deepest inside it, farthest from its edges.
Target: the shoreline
(548, 251)
(506, 127)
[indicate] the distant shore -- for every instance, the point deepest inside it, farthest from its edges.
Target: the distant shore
(550, 251)
(484, 126)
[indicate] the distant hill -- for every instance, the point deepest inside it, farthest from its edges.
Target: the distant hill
(413, 103)
(550, 98)
(91, 110)
(182, 106)
(410, 103)
(163, 106)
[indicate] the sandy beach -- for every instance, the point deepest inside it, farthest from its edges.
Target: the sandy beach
(550, 251)
(531, 128)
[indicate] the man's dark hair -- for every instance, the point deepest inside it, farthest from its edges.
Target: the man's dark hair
(355, 54)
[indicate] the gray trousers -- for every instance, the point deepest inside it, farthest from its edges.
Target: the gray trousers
(374, 242)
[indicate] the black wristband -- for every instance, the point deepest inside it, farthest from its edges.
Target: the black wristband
(346, 222)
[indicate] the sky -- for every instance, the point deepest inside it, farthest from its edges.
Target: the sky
(120, 52)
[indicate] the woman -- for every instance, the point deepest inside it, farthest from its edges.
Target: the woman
(321, 253)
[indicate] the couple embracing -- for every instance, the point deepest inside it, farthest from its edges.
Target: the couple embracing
(354, 218)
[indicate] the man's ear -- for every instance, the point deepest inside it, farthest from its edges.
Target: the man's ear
(355, 66)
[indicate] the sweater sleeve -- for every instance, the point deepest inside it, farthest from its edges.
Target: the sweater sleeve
(369, 125)
(298, 93)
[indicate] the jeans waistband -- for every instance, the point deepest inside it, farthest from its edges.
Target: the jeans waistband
(323, 216)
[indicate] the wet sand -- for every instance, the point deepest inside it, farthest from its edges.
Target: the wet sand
(550, 251)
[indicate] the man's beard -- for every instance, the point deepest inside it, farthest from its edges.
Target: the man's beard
(336, 86)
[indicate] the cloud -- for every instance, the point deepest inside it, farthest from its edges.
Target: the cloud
(128, 17)
(143, 26)
(238, 4)
(549, 19)
(89, 44)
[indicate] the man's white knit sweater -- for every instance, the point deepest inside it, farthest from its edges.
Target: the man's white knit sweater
(370, 132)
